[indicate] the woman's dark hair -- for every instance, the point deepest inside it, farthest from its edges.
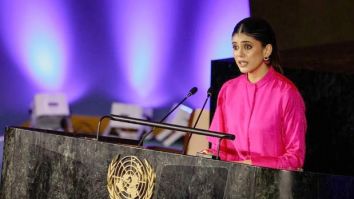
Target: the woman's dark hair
(262, 31)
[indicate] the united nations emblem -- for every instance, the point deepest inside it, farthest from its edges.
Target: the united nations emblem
(130, 178)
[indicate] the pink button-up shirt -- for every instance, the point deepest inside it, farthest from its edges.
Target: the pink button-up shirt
(267, 118)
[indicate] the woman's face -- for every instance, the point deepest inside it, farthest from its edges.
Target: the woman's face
(249, 53)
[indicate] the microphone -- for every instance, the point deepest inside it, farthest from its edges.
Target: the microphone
(191, 92)
(209, 93)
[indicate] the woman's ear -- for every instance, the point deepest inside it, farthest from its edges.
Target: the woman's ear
(267, 51)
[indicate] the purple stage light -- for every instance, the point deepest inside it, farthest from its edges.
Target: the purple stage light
(141, 32)
(143, 52)
(165, 47)
(217, 22)
(37, 39)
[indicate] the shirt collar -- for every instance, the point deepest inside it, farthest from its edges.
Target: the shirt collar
(267, 77)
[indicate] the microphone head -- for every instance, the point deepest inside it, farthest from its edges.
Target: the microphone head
(210, 92)
(192, 91)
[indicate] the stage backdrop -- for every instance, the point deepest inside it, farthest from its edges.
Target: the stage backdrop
(143, 52)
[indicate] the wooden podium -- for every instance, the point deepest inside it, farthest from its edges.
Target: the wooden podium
(47, 164)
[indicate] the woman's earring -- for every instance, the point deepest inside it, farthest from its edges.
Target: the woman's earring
(266, 60)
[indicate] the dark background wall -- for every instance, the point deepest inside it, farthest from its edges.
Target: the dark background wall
(305, 23)
(317, 35)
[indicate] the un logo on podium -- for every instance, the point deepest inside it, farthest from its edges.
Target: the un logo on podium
(130, 178)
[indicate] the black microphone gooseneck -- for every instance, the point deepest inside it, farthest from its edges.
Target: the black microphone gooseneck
(209, 93)
(191, 92)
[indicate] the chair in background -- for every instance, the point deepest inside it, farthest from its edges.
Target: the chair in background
(191, 143)
(50, 111)
(181, 116)
(127, 130)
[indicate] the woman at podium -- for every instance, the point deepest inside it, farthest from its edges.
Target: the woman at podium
(261, 107)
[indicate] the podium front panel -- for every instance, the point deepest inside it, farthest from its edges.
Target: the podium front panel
(45, 164)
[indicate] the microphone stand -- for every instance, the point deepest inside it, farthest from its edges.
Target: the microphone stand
(191, 92)
(195, 124)
(141, 142)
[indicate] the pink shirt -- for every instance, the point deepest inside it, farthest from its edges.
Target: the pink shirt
(267, 118)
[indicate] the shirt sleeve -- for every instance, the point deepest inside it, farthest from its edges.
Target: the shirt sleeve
(293, 134)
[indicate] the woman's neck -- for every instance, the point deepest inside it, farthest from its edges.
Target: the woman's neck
(258, 74)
